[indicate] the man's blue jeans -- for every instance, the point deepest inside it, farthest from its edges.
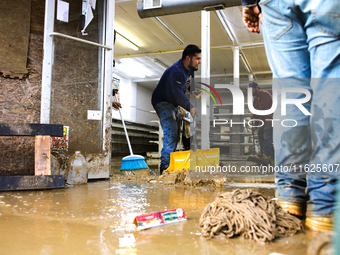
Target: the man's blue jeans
(167, 115)
(265, 135)
(303, 49)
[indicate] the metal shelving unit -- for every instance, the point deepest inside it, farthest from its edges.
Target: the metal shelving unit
(237, 140)
(142, 137)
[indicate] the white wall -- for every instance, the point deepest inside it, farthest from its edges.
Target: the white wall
(136, 102)
(127, 97)
(144, 106)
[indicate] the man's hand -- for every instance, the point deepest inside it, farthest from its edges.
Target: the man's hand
(181, 111)
(251, 17)
(116, 105)
(114, 92)
(193, 111)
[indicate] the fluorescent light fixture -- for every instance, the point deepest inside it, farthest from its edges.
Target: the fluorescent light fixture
(226, 25)
(133, 68)
(126, 41)
(246, 63)
(167, 29)
(156, 60)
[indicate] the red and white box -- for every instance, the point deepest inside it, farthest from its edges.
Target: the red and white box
(156, 219)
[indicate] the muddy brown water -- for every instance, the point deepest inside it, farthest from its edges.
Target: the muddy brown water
(90, 219)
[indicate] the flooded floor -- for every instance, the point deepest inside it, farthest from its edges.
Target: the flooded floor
(90, 219)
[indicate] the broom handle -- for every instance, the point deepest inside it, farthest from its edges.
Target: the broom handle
(126, 134)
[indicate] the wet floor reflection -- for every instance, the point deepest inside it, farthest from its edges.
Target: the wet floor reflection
(94, 219)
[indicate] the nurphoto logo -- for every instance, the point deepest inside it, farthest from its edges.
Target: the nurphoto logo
(239, 100)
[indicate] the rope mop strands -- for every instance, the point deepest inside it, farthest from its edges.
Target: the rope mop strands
(248, 214)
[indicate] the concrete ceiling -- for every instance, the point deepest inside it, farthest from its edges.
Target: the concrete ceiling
(154, 42)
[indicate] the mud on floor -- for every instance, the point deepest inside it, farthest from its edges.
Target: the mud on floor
(183, 177)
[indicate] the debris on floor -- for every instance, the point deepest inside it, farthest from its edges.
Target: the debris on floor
(131, 177)
(186, 177)
(157, 219)
(138, 173)
(179, 177)
(247, 214)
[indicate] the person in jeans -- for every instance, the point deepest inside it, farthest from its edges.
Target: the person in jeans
(302, 42)
(169, 94)
(263, 101)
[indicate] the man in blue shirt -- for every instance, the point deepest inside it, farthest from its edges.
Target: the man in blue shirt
(302, 42)
(170, 93)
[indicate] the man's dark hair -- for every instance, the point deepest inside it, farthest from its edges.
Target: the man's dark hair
(253, 85)
(190, 51)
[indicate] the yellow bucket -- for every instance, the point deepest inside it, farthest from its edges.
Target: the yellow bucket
(191, 159)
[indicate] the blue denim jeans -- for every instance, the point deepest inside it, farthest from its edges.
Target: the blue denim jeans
(303, 48)
(265, 135)
(167, 114)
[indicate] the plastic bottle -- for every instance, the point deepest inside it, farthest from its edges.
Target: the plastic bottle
(55, 166)
(77, 169)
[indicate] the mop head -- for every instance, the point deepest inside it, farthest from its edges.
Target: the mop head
(133, 162)
(248, 214)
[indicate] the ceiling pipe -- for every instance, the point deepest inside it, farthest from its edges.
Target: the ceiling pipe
(170, 7)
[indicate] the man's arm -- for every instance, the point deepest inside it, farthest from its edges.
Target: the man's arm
(193, 110)
(251, 15)
(249, 3)
(177, 83)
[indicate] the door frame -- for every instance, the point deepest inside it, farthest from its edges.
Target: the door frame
(106, 71)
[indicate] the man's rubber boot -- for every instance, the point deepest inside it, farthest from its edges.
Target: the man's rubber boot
(321, 224)
(161, 170)
(296, 209)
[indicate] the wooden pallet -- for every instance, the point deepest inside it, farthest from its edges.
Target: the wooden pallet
(42, 178)
(34, 182)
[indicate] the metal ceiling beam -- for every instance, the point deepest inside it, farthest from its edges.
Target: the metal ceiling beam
(240, 45)
(205, 73)
(211, 76)
(228, 46)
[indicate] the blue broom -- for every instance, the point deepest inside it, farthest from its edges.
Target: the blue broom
(132, 164)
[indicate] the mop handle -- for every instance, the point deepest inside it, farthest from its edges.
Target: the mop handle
(197, 96)
(195, 125)
(126, 134)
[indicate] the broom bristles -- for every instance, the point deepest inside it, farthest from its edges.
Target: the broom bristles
(133, 162)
